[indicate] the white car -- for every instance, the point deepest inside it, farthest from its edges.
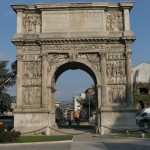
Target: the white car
(144, 116)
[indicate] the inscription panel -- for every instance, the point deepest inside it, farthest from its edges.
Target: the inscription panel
(72, 21)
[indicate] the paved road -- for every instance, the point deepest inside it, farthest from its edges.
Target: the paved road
(87, 142)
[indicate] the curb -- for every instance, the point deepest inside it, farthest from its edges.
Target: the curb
(33, 143)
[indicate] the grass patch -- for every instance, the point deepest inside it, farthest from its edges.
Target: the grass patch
(28, 139)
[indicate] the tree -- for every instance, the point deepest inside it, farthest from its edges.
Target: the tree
(5, 98)
(59, 114)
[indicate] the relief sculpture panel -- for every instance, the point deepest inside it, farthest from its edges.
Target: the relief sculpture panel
(31, 23)
(116, 72)
(114, 21)
(31, 95)
(117, 94)
(31, 69)
(115, 68)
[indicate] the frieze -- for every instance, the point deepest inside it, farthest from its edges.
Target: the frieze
(116, 80)
(117, 94)
(31, 95)
(31, 23)
(115, 68)
(83, 47)
(31, 82)
(114, 21)
(31, 48)
(115, 56)
(31, 69)
(32, 57)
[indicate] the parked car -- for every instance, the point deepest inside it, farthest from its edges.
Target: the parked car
(144, 116)
(7, 121)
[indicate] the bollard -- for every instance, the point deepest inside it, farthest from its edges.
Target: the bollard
(127, 132)
(47, 131)
(142, 135)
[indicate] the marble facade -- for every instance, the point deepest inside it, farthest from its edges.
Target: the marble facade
(52, 38)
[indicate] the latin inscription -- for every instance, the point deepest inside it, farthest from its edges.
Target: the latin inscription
(78, 21)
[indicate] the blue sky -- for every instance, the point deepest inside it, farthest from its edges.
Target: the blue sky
(140, 25)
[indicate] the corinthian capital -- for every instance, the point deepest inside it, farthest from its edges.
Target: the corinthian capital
(102, 55)
(19, 57)
(44, 56)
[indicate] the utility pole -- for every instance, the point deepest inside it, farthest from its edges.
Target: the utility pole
(89, 106)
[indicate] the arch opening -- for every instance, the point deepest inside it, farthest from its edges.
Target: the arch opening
(86, 108)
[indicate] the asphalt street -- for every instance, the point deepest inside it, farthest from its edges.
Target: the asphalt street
(86, 141)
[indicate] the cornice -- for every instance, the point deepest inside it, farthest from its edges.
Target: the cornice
(74, 40)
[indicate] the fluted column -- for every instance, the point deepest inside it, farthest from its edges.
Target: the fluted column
(44, 79)
(126, 19)
(19, 21)
(103, 80)
(129, 75)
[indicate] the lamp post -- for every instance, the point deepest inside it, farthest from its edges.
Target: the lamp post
(89, 106)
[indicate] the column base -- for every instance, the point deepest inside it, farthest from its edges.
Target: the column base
(117, 120)
(34, 122)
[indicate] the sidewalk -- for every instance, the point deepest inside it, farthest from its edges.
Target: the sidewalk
(87, 141)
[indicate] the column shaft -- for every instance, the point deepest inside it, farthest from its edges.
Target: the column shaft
(19, 81)
(103, 80)
(19, 22)
(44, 79)
(126, 20)
(129, 75)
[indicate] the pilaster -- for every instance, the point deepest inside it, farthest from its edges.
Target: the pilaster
(44, 79)
(129, 75)
(19, 80)
(19, 22)
(103, 79)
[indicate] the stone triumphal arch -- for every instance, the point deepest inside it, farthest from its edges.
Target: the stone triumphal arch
(52, 38)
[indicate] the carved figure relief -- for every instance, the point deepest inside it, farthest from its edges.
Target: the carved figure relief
(32, 82)
(92, 58)
(31, 23)
(56, 58)
(31, 96)
(114, 21)
(31, 69)
(117, 94)
(116, 80)
(83, 47)
(32, 57)
(30, 48)
(115, 68)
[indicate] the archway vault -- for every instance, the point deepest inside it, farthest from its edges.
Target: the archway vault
(52, 38)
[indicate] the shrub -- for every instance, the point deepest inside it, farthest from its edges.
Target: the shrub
(8, 136)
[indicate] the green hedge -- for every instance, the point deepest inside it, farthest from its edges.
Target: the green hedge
(8, 136)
